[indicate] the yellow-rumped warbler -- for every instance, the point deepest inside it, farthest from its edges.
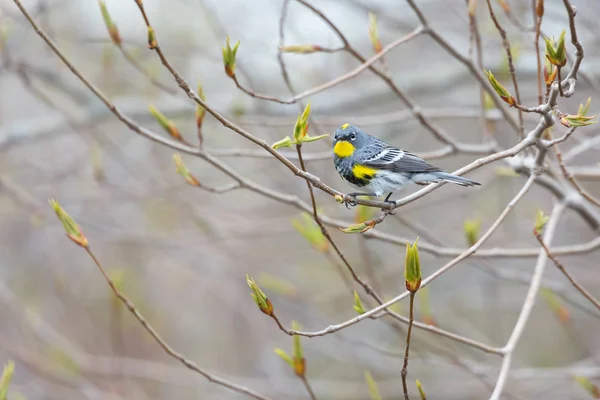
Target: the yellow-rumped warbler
(376, 167)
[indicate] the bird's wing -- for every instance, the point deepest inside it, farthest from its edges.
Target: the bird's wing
(393, 159)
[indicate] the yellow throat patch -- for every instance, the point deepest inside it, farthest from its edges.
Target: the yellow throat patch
(343, 149)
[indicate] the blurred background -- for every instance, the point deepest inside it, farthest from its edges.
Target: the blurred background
(181, 254)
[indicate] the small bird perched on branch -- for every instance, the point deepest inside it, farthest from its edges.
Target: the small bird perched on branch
(376, 167)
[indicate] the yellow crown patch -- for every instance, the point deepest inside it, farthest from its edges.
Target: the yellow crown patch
(345, 126)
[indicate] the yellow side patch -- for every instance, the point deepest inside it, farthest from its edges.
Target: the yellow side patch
(343, 149)
(362, 172)
(345, 126)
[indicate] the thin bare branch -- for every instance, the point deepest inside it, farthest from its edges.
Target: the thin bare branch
(404, 371)
(435, 275)
(511, 66)
(562, 269)
(366, 64)
(527, 304)
(164, 345)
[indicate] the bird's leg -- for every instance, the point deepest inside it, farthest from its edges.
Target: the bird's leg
(387, 200)
(351, 198)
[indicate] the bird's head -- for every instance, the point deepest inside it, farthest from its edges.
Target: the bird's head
(347, 139)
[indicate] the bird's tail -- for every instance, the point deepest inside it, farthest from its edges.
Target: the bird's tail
(459, 180)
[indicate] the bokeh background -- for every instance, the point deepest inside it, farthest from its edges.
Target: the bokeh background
(182, 253)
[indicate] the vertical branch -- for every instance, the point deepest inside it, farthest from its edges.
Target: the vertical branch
(477, 56)
(325, 232)
(560, 88)
(534, 287)
(538, 14)
(309, 389)
(511, 66)
(407, 348)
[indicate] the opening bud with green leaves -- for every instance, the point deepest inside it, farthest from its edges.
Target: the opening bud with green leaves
(374, 33)
(183, 170)
(167, 124)
(200, 110)
(556, 53)
(297, 361)
(71, 228)
(229, 54)
(540, 221)
(6, 378)
(261, 300)
(501, 90)
(113, 31)
(300, 132)
(301, 48)
(580, 119)
(358, 306)
(472, 228)
(412, 267)
(308, 228)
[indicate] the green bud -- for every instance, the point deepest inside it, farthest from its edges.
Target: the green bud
(299, 361)
(588, 386)
(358, 228)
(285, 142)
(412, 267)
(200, 110)
(584, 109)
(229, 55)
(152, 43)
(261, 300)
(71, 228)
(358, 306)
(7, 375)
(500, 90)
(166, 123)
(421, 391)
(556, 54)
(183, 170)
(555, 304)
(472, 228)
(308, 139)
(506, 171)
(374, 33)
(540, 221)
(373, 388)
(281, 353)
(576, 120)
(301, 126)
(301, 49)
(311, 232)
(550, 72)
(113, 31)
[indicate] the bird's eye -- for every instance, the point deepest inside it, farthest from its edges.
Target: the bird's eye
(353, 136)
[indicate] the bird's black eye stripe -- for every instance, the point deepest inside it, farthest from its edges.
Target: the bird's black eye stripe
(353, 136)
